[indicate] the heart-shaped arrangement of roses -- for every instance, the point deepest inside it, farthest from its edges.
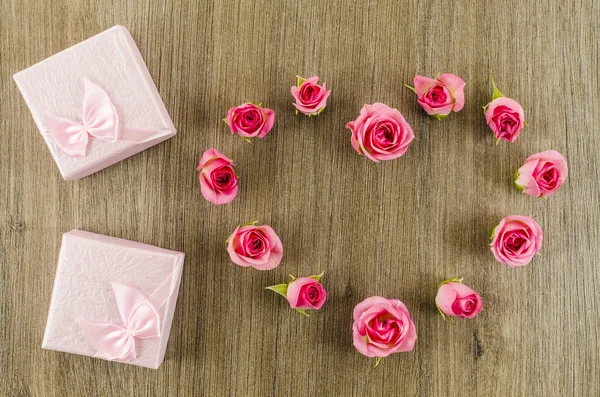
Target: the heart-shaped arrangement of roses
(379, 133)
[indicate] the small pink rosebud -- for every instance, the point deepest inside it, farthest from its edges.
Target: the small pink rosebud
(516, 240)
(542, 174)
(218, 182)
(311, 98)
(504, 116)
(303, 293)
(255, 246)
(440, 97)
(455, 299)
(249, 120)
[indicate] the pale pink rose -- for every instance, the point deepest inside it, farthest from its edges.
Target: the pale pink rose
(542, 174)
(380, 132)
(255, 246)
(516, 240)
(382, 327)
(440, 97)
(455, 299)
(218, 182)
(306, 293)
(311, 98)
(249, 120)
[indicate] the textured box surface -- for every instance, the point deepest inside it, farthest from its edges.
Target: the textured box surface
(113, 299)
(57, 89)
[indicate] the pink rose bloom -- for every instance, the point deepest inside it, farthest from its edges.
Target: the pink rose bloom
(542, 174)
(455, 299)
(382, 327)
(442, 96)
(311, 98)
(306, 293)
(516, 240)
(218, 182)
(504, 116)
(255, 246)
(380, 132)
(249, 120)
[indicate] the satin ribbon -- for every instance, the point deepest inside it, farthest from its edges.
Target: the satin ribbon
(100, 121)
(140, 320)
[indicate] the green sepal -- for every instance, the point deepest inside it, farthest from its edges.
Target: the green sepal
(451, 280)
(411, 88)
(493, 232)
(321, 110)
(495, 93)
(281, 289)
(300, 81)
(439, 116)
(246, 139)
(519, 187)
(251, 223)
(377, 361)
(304, 313)
(318, 276)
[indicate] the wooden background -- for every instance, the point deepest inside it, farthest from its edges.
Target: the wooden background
(394, 229)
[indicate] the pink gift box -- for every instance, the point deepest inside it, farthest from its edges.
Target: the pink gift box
(113, 299)
(95, 103)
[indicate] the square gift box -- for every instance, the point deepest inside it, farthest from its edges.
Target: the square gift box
(95, 103)
(113, 299)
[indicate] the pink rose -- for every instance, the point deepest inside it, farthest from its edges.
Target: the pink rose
(504, 116)
(218, 182)
(439, 97)
(311, 98)
(303, 293)
(306, 293)
(255, 246)
(249, 120)
(516, 240)
(382, 327)
(455, 299)
(380, 132)
(542, 174)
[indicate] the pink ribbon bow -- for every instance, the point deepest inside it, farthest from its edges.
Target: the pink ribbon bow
(100, 121)
(140, 320)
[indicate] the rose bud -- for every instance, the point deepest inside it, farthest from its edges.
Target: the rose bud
(455, 299)
(542, 174)
(311, 98)
(380, 132)
(218, 182)
(303, 293)
(504, 116)
(516, 240)
(382, 327)
(255, 246)
(439, 97)
(249, 120)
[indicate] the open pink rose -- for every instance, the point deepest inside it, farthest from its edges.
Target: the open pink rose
(255, 246)
(542, 174)
(218, 182)
(249, 120)
(455, 299)
(382, 327)
(306, 293)
(440, 97)
(516, 240)
(311, 98)
(504, 116)
(380, 132)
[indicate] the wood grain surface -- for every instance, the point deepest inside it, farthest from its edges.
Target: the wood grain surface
(394, 229)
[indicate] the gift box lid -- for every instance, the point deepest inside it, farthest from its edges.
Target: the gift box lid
(113, 299)
(95, 103)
